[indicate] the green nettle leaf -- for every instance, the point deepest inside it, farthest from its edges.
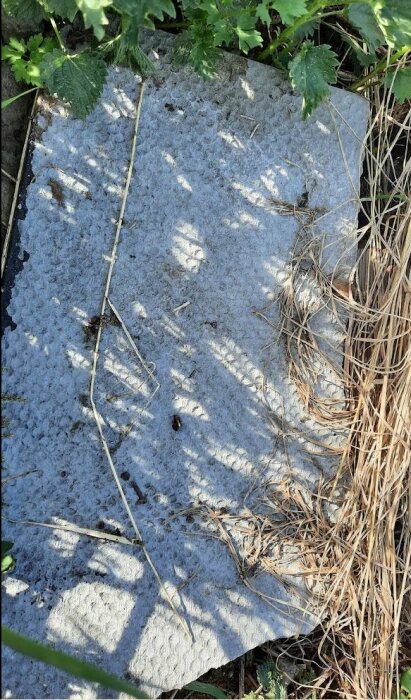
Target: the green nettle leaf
(77, 79)
(362, 16)
(312, 70)
(248, 36)
(289, 11)
(399, 83)
(395, 19)
(158, 9)
(94, 15)
(306, 30)
(62, 8)
(28, 11)
(142, 10)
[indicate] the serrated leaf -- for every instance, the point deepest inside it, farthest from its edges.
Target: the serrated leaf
(203, 57)
(77, 79)
(223, 32)
(263, 14)
(25, 57)
(158, 9)
(20, 72)
(130, 30)
(211, 10)
(130, 7)
(94, 15)
(132, 56)
(34, 42)
(9, 53)
(195, 46)
(248, 36)
(312, 70)
(399, 82)
(306, 30)
(142, 11)
(67, 9)
(394, 17)
(18, 44)
(290, 10)
(27, 11)
(362, 16)
(272, 680)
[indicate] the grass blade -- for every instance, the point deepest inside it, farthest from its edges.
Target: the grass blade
(6, 103)
(66, 662)
(206, 689)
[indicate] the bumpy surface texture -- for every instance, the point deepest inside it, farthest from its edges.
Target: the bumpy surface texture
(204, 248)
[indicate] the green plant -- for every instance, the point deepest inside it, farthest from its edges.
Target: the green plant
(7, 560)
(272, 683)
(81, 669)
(66, 662)
(371, 34)
(205, 689)
(305, 677)
(405, 684)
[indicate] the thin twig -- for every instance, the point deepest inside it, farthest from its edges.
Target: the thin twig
(96, 414)
(6, 174)
(88, 532)
(7, 237)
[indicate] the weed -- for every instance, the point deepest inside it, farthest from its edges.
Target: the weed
(7, 559)
(370, 35)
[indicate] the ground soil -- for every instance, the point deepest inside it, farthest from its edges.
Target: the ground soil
(14, 120)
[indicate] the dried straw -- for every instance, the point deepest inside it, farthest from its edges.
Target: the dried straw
(353, 551)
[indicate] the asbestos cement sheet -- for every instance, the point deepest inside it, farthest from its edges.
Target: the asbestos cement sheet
(191, 418)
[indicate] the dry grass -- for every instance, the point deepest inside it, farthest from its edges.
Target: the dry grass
(357, 565)
(365, 556)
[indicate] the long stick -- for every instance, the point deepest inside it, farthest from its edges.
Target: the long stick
(97, 416)
(17, 188)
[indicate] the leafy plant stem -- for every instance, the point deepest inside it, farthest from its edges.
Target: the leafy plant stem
(380, 68)
(57, 33)
(283, 36)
